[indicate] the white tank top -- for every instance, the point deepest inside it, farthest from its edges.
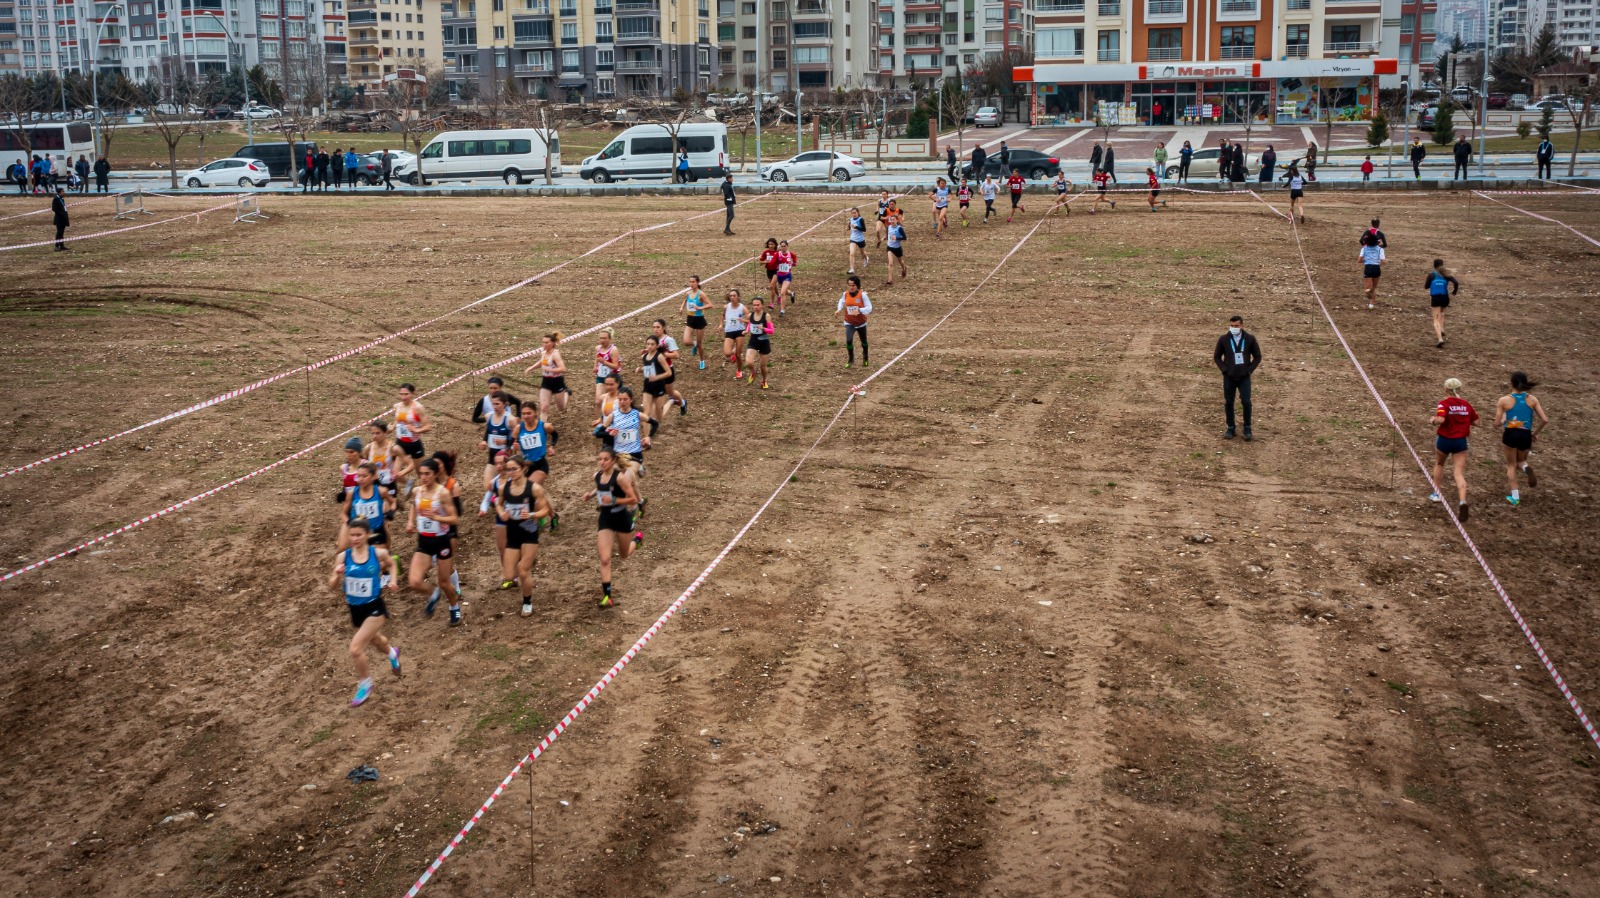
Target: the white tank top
(730, 319)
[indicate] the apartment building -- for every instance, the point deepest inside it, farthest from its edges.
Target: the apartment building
(387, 35)
(589, 48)
(921, 41)
(809, 44)
(1164, 61)
(1573, 21)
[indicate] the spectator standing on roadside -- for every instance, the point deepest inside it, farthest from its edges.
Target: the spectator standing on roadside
(1004, 156)
(1160, 155)
(1095, 156)
(336, 167)
(1418, 153)
(308, 170)
(980, 157)
(1109, 163)
(1224, 159)
(1185, 156)
(388, 170)
(322, 170)
(1545, 154)
(1269, 163)
(1237, 355)
(683, 167)
(18, 174)
(58, 206)
(950, 162)
(352, 165)
(1463, 153)
(81, 167)
(728, 199)
(1311, 161)
(102, 175)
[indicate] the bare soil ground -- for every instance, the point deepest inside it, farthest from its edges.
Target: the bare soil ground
(1024, 625)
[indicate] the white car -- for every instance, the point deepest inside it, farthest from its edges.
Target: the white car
(259, 112)
(816, 165)
(230, 173)
(987, 117)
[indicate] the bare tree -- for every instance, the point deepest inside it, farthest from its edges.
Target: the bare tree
(1580, 107)
(404, 102)
(671, 119)
(18, 103)
(545, 120)
(170, 120)
(953, 103)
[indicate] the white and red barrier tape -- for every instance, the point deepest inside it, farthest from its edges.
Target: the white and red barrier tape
(98, 196)
(1540, 217)
(357, 350)
(1516, 615)
(318, 445)
(149, 224)
(677, 605)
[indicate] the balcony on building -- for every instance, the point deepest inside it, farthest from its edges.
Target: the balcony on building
(359, 17)
(637, 37)
(1297, 51)
(1239, 51)
(1298, 5)
(537, 33)
(1249, 9)
(648, 65)
(1165, 10)
(1110, 10)
(534, 69)
(812, 8)
(1165, 54)
(634, 7)
(364, 37)
(1047, 7)
(361, 4)
(1349, 48)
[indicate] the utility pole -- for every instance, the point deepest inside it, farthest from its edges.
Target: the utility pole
(1483, 91)
(757, 98)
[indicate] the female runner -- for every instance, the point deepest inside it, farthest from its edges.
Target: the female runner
(669, 348)
(1441, 286)
(786, 262)
(614, 491)
(410, 422)
(533, 439)
(1372, 257)
(941, 207)
(769, 259)
(657, 369)
(883, 211)
(552, 375)
(608, 406)
(447, 465)
(760, 323)
(858, 240)
(353, 457)
(733, 322)
(627, 428)
(433, 516)
(694, 322)
(607, 361)
(503, 463)
(364, 503)
(394, 466)
(1297, 191)
(854, 307)
(1454, 418)
(897, 252)
(522, 505)
(1515, 413)
(1063, 194)
(964, 199)
(496, 434)
(359, 575)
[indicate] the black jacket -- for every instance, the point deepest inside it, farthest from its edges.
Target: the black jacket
(1224, 355)
(1418, 152)
(58, 205)
(1546, 151)
(1109, 162)
(727, 193)
(1269, 158)
(1094, 157)
(979, 157)
(101, 168)
(512, 403)
(1463, 151)
(949, 155)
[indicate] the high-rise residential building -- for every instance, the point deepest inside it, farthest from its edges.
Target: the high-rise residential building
(920, 41)
(589, 48)
(1165, 61)
(386, 36)
(809, 44)
(1573, 21)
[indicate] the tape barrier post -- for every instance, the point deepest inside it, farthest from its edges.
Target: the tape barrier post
(303, 369)
(639, 645)
(1383, 406)
(248, 209)
(131, 204)
(378, 417)
(148, 224)
(1545, 218)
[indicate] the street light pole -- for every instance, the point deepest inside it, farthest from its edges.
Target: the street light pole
(94, 70)
(249, 122)
(1483, 91)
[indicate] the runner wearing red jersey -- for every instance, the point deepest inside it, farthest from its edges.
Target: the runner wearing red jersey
(1454, 418)
(769, 259)
(785, 276)
(1101, 178)
(1016, 182)
(1155, 190)
(607, 362)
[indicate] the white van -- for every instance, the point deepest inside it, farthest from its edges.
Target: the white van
(513, 155)
(646, 151)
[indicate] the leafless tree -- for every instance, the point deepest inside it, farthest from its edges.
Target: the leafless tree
(953, 103)
(170, 119)
(404, 102)
(545, 120)
(19, 101)
(1580, 106)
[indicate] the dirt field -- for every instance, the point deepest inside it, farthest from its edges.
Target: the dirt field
(1024, 625)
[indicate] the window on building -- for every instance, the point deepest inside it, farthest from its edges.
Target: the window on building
(1344, 34)
(804, 30)
(803, 55)
(1298, 35)
(749, 57)
(1238, 36)
(1427, 22)
(747, 9)
(571, 60)
(1058, 43)
(605, 59)
(1408, 23)
(780, 34)
(569, 32)
(499, 5)
(748, 32)
(1166, 39)
(725, 33)
(602, 30)
(499, 32)
(1108, 46)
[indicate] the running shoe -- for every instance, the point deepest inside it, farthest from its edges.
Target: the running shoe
(702, 366)
(507, 584)
(683, 405)
(738, 375)
(1514, 501)
(1462, 512)
(363, 692)
(394, 659)
(527, 607)
(606, 601)
(455, 616)
(638, 538)
(1532, 480)
(849, 364)
(1433, 497)
(433, 602)
(763, 385)
(694, 350)
(555, 521)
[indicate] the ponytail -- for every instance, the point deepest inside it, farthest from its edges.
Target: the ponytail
(555, 337)
(1521, 383)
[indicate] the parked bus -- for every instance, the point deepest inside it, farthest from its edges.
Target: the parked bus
(646, 151)
(69, 140)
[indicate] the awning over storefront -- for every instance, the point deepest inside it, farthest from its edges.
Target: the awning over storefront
(1117, 73)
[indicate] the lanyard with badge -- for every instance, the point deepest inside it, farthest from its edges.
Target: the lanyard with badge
(1238, 349)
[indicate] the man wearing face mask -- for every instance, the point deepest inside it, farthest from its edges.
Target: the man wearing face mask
(1237, 355)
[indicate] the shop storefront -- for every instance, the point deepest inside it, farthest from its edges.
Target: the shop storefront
(1284, 92)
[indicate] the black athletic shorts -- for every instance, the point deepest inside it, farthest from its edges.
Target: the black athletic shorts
(360, 613)
(436, 546)
(1372, 271)
(1441, 301)
(543, 464)
(1296, 194)
(518, 536)
(378, 537)
(617, 520)
(896, 251)
(1015, 199)
(553, 384)
(1517, 438)
(762, 346)
(695, 322)
(412, 448)
(655, 388)
(733, 335)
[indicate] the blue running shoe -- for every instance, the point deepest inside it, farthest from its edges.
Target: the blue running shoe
(394, 659)
(363, 692)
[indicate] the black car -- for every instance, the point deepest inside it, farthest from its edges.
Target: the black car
(1033, 165)
(220, 112)
(276, 156)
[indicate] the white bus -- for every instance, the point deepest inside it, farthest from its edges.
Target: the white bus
(61, 141)
(513, 155)
(646, 151)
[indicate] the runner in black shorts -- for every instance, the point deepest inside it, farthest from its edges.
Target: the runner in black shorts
(522, 506)
(359, 576)
(433, 516)
(410, 422)
(694, 322)
(552, 375)
(614, 492)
